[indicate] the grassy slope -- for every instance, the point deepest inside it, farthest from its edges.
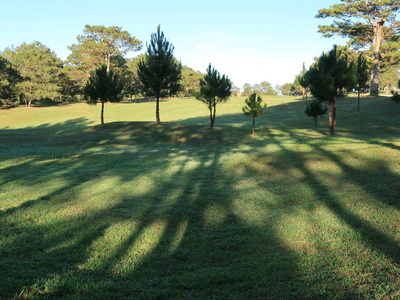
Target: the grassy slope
(137, 210)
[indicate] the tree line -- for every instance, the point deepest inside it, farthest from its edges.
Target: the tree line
(31, 72)
(97, 68)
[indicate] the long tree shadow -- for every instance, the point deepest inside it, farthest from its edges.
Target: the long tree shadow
(183, 230)
(179, 238)
(374, 178)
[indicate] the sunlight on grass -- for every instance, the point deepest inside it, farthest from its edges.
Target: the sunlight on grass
(132, 209)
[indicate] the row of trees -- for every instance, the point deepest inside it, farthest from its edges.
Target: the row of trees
(333, 75)
(33, 72)
(160, 73)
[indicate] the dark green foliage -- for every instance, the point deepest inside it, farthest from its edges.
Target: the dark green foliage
(159, 72)
(396, 97)
(396, 94)
(362, 77)
(103, 86)
(254, 108)
(316, 109)
(214, 89)
(328, 77)
(9, 77)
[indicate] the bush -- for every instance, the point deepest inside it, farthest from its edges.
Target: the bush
(396, 96)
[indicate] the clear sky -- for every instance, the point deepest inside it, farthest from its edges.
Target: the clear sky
(250, 41)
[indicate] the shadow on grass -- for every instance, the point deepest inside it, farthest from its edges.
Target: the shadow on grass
(183, 237)
(145, 211)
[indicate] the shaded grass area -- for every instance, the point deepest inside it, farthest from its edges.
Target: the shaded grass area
(132, 209)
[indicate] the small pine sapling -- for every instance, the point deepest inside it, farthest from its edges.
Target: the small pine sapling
(254, 108)
(316, 109)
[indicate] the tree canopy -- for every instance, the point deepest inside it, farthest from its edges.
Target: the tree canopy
(39, 68)
(100, 44)
(96, 46)
(190, 81)
(366, 24)
(9, 77)
(262, 88)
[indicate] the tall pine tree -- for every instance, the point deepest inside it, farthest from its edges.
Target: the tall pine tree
(159, 72)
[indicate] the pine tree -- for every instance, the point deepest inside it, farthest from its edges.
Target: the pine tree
(328, 77)
(362, 77)
(103, 86)
(315, 109)
(159, 71)
(214, 89)
(254, 108)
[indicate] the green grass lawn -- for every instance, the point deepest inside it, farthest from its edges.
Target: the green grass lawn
(178, 211)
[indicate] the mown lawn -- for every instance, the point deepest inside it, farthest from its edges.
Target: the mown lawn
(179, 211)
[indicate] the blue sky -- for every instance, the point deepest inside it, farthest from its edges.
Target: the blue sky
(250, 41)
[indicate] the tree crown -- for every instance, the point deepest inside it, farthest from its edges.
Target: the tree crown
(330, 74)
(254, 106)
(103, 86)
(159, 71)
(214, 88)
(356, 19)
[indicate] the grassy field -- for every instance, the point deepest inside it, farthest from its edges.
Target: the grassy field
(178, 211)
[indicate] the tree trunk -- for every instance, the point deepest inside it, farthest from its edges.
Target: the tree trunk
(108, 62)
(334, 113)
(102, 113)
(331, 126)
(315, 122)
(376, 44)
(252, 127)
(211, 116)
(359, 102)
(28, 103)
(158, 110)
